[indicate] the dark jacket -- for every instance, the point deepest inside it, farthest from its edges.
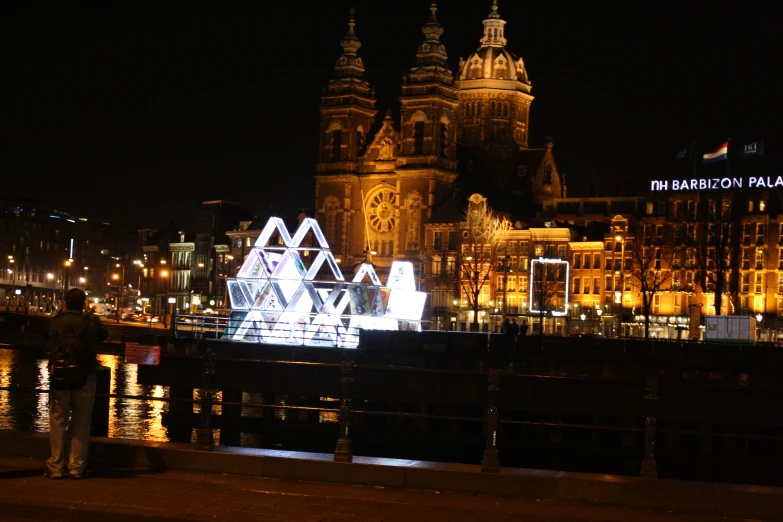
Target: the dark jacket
(93, 335)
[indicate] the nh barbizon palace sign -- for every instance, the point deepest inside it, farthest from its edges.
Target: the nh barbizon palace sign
(716, 183)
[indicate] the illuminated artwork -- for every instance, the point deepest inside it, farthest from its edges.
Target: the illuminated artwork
(277, 298)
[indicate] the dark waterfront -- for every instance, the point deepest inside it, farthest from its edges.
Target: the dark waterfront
(593, 438)
(25, 406)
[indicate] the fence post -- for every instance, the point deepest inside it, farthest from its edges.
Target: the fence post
(649, 469)
(490, 461)
(343, 451)
(204, 439)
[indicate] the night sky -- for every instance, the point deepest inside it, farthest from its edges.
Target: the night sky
(136, 115)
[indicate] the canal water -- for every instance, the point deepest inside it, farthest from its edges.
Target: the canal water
(24, 382)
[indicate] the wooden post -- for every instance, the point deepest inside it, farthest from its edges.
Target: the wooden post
(490, 461)
(649, 469)
(343, 452)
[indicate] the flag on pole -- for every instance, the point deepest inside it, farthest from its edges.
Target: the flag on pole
(719, 154)
(752, 148)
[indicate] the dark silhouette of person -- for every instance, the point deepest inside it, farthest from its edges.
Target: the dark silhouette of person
(514, 329)
(505, 328)
(523, 329)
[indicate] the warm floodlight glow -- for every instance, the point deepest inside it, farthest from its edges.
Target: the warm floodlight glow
(277, 299)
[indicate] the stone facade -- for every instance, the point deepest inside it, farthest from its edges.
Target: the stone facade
(374, 194)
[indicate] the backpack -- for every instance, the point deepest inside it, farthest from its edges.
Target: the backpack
(69, 361)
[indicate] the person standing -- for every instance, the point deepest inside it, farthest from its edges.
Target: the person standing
(523, 330)
(505, 328)
(74, 336)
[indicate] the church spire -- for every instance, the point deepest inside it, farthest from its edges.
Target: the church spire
(493, 28)
(349, 65)
(431, 53)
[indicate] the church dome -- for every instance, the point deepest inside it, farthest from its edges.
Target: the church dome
(492, 61)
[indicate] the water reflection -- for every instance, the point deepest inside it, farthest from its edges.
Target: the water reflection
(7, 362)
(24, 403)
(23, 408)
(133, 418)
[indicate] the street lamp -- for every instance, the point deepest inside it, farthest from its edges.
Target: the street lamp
(759, 317)
(67, 278)
(164, 275)
(619, 292)
(583, 316)
(599, 312)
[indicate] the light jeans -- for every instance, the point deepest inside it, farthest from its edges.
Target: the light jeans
(77, 404)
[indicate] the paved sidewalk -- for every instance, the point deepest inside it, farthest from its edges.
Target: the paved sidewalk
(120, 494)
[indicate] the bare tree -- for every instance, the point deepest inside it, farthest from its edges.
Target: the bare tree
(652, 256)
(483, 234)
(712, 243)
(548, 285)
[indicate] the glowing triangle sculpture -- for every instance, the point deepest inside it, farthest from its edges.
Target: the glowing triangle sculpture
(277, 299)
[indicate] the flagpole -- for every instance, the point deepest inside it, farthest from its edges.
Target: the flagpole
(728, 145)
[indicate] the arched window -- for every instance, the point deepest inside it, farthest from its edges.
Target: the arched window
(444, 135)
(336, 143)
(492, 109)
(359, 139)
(418, 120)
(505, 110)
(413, 204)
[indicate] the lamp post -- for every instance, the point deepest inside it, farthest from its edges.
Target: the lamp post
(759, 317)
(11, 261)
(619, 293)
(599, 312)
(165, 276)
(67, 277)
(120, 280)
(50, 279)
(582, 316)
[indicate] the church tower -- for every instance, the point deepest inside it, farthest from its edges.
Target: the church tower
(494, 104)
(427, 162)
(429, 102)
(347, 113)
(347, 109)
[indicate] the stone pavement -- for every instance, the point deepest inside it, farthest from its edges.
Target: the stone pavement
(176, 481)
(120, 494)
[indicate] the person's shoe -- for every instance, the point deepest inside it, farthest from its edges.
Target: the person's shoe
(49, 474)
(80, 476)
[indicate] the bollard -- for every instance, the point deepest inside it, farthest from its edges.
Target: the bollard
(343, 451)
(649, 469)
(204, 439)
(490, 461)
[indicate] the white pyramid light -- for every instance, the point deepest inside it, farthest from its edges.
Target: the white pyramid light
(276, 299)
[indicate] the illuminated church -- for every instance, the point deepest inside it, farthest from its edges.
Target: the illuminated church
(379, 180)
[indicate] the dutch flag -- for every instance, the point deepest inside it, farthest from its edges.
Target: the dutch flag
(719, 154)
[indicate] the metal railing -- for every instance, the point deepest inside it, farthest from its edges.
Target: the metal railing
(492, 420)
(306, 329)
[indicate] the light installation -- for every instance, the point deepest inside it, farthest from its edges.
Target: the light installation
(555, 274)
(277, 299)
